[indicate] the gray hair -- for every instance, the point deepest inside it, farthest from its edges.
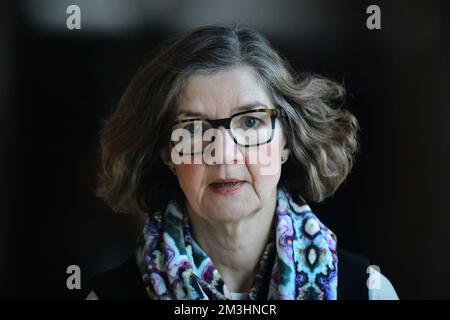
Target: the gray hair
(321, 135)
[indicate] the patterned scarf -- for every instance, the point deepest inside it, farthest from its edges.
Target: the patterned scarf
(299, 261)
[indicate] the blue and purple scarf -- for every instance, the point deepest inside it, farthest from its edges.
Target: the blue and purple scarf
(299, 261)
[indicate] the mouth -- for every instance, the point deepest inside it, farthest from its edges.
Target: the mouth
(226, 186)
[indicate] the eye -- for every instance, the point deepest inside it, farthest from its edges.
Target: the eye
(250, 122)
(194, 128)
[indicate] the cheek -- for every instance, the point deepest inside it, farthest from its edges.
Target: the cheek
(264, 164)
(191, 179)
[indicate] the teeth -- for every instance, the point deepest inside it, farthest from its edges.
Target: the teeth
(230, 183)
(227, 184)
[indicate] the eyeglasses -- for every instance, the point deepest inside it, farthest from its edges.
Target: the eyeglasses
(247, 128)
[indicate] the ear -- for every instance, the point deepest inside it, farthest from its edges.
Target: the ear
(285, 152)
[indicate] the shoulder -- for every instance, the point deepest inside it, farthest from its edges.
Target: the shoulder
(358, 280)
(119, 283)
(380, 288)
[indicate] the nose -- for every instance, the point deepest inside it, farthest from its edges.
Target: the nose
(226, 151)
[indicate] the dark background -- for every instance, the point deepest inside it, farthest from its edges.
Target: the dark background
(56, 85)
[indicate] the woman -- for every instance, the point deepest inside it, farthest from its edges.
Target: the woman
(219, 143)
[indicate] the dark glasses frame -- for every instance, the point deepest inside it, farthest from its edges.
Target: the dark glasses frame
(226, 122)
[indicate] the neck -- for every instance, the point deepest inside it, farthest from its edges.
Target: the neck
(235, 247)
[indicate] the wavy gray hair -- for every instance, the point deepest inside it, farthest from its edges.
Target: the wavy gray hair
(321, 135)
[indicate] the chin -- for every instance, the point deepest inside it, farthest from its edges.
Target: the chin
(232, 213)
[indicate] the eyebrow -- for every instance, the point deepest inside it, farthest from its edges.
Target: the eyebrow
(248, 106)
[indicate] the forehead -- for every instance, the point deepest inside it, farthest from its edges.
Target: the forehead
(222, 91)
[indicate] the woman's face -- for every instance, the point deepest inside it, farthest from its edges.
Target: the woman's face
(217, 96)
